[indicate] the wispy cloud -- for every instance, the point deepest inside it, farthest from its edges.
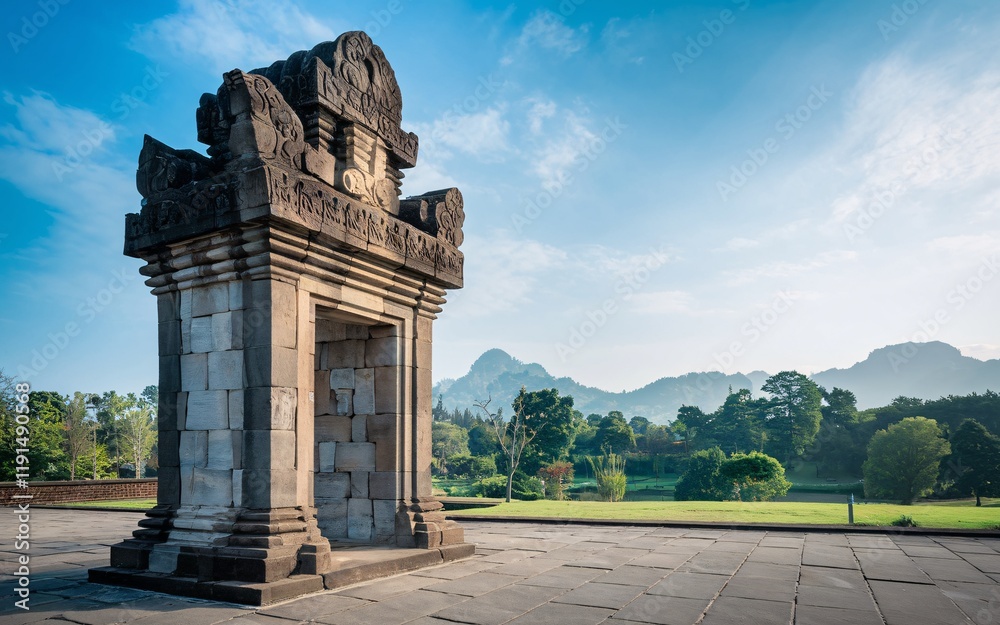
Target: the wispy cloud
(662, 302)
(483, 135)
(788, 269)
(546, 30)
(503, 273)
(931, 126)
(220, 36)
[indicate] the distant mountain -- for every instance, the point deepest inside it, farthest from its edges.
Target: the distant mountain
(924, 370)
(499, 376)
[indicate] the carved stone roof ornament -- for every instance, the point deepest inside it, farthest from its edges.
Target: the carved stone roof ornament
(314, 140)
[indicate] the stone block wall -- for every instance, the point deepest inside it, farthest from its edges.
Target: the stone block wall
(357, 486)
(212, 394)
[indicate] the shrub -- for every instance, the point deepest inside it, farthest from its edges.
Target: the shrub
(753, 477)
(524, 487)
(611, 479)
(904, 521)
(475, 467)
(556, 476)
(701, 480)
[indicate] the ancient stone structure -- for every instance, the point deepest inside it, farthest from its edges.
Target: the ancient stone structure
(296, 293)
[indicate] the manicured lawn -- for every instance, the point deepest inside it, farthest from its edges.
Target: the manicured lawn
(118, 504)
(957, 516)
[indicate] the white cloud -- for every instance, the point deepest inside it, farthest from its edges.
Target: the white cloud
(662, 302)
(547, 30)
(220, 36)
(502, 273)
(740, 243)
(553, 159)
(930, 127)
(541, 109)
(788, 269)
(483, 135)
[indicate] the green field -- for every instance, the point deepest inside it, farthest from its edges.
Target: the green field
(961, 514)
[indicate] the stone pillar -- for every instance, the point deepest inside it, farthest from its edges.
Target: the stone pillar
(296, 294)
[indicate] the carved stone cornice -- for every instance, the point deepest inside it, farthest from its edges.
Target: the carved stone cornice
(267, 167)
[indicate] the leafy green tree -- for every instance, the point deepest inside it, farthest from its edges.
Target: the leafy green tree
(793, 413)
(514, 436)
(79, 433)
(639, 425)
(754, 477)
(975, 457)
(841, 407)
(483, 440)
(614, 434)
(138, 435)
(904, 459)
(475, 467)
(47, 456)
(448, 439)
(738, 424)
(691, 420)
(555, 422)
(701, 479)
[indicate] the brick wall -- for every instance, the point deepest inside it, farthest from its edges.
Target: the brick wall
(79, 490)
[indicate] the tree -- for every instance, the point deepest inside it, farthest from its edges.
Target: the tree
(448, 439)
(47, 456)
(475, 467)
(639, 425)
(701, 479)
(754, 477)
(614, 434)
(793, 413)
(555, 424)
(904, 459)
(79, 438)
(975, 457)
(512, 437)
(138, 435)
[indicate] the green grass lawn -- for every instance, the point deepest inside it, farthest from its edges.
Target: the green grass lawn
(964, 515)
(117, 504)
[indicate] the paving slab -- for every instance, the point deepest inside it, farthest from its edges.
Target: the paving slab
(597, 595)
(662, 610)
(734, 610)
(912, 604)
(816, 615)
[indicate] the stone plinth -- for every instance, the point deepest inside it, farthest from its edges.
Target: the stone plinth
(296, 293)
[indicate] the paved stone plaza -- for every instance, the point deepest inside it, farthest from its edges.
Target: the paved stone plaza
(573, 574)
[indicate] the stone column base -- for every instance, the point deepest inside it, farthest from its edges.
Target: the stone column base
(349, 565)
(425, 518)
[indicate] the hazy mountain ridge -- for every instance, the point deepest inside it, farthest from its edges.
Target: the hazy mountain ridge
(924, 370)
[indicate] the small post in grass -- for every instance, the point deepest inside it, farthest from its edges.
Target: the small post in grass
(850, 510)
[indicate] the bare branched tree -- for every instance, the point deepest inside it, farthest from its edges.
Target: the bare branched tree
(512, 436)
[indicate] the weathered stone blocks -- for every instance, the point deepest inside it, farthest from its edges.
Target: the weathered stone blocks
(207, 410)
(355, 457)
(359, 519)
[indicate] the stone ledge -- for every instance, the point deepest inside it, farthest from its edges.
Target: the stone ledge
(777, 527)
(234, 592)
(352, 565)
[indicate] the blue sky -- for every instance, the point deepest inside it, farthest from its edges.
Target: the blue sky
(651, 188)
